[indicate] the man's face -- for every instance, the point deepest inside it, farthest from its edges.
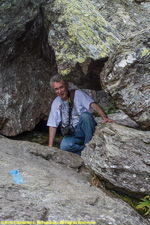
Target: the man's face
(61, 89)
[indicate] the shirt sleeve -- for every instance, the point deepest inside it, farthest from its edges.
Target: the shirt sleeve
(54, 116)
(83, 100)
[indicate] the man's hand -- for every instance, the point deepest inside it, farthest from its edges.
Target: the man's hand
(108, 120)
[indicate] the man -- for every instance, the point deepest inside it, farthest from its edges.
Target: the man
(81, 119)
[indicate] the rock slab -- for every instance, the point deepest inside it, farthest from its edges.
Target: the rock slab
(120, 156)
(52, 190)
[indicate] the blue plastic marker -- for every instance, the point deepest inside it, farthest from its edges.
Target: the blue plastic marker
(16, 176)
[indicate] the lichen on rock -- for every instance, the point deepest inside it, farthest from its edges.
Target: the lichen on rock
(78, 32)
(126, 77)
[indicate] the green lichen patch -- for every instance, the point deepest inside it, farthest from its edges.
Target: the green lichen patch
(145, 51)
(79, 32)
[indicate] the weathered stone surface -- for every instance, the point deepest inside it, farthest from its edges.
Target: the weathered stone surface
(103, 99)
(81, 34)
(78, 34)
(81, 37)
(120, 156)
(126, 16)
(26, 63)
(120, 118)
(126, 77)
(53, 191)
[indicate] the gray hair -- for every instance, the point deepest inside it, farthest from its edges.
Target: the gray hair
(56, 78)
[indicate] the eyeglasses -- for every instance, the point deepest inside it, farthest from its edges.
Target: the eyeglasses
(61, 88)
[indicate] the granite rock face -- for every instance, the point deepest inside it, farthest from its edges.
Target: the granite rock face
(126, 77)
(126, 16)
(79, 35)
(26, 63)
(120, 156)
(53, 190)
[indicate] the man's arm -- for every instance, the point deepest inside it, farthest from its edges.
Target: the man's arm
(101, 112)
(52, 133)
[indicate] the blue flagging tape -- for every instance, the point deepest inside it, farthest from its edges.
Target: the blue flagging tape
(16, 176)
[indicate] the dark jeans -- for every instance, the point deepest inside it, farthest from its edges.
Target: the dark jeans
(83, 134)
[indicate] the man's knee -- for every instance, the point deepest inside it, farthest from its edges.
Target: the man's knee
(65, 145)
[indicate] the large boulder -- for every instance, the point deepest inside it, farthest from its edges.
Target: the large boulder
(78, 34)
(84, 33)
(126, 16)
(45, 185)
(26, 63)
(120, 157)
(126, 77)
